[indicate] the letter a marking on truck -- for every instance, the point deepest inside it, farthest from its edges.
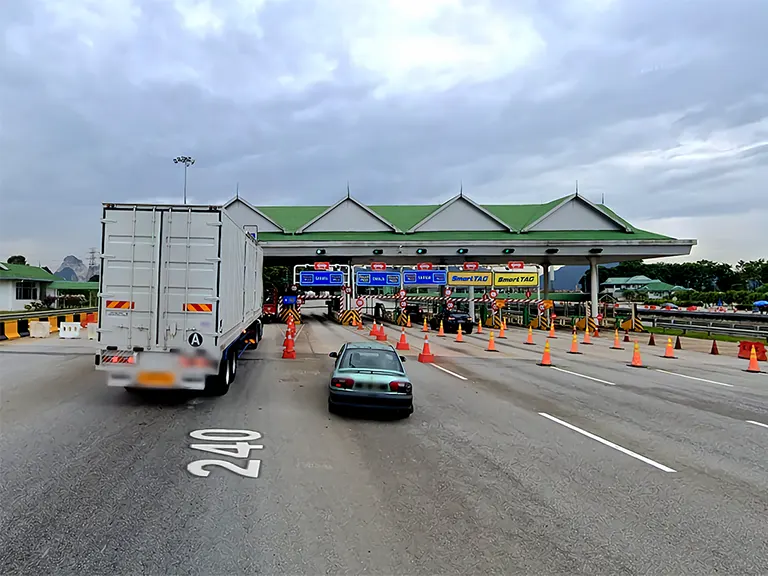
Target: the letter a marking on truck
(195, 339)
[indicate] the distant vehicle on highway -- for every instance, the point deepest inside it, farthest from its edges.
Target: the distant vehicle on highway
(370, 375)
(451, 321)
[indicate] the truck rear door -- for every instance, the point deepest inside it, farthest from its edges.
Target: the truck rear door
(159, 277)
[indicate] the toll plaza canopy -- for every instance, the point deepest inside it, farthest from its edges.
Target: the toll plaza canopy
(569, 230)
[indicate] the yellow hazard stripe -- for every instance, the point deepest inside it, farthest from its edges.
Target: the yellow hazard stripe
(120, 304)
(195, 307)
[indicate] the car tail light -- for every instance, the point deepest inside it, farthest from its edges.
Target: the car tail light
(342, 382)
(398, 386)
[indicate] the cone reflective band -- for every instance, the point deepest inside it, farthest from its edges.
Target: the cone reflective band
(120, 304)
(195, 307)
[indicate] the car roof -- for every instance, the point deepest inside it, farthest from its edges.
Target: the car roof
(369, 345)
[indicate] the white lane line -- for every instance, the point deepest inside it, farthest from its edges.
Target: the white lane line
(608, 443)
(583, 376)
(459, 376)
(758, 423)
(694, 378)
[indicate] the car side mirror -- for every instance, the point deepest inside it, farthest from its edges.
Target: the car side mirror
(334, 354)
(402, 359)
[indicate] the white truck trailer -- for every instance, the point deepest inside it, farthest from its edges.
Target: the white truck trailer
(180, 296)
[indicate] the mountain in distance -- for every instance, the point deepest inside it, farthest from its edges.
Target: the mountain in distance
(75, 270)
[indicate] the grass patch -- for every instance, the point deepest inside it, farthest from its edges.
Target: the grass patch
(698, 335)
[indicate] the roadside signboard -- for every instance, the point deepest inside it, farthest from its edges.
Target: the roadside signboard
(360, 302)
(515, 265)
(424, 266)
(449, 305)
(321, 278)
(424, 277)
(470, 278)
(322, 265)
(370, 278)
(515, 279)
(471, 266)
(493, 294)
(378, 266)
(403, 303)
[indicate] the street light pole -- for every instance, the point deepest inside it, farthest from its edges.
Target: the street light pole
(187, 161)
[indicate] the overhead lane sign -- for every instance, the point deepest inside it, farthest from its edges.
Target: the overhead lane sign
(424, 277)
(515, 279)
(370, 278)
(470, 277)
(321, 278)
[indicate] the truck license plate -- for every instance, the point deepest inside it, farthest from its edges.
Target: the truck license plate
(156, 378)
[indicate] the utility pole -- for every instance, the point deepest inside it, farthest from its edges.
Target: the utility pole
(92, 257)
(187, 161)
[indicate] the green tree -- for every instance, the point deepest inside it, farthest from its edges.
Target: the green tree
(17, 259)
(276, 277)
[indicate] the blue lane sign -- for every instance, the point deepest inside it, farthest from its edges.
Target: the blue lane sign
(366, 278)
(321, 278)
(425, 278)
(289, 300)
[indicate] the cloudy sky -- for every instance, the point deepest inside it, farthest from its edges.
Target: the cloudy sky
(662, 106)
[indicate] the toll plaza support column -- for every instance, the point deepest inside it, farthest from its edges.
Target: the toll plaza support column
(545, 281)
(594, 288)
(472, 302)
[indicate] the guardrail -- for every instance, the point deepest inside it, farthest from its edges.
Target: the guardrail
(46, 313)
(757, 332)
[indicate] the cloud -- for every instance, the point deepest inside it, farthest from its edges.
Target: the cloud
(659, 107)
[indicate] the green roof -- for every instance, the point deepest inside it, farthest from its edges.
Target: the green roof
(659, 286)
(511, 237)
(68, 285)
(24, 272)
(516, 216)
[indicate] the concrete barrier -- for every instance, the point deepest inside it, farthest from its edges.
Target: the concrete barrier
(38, 329)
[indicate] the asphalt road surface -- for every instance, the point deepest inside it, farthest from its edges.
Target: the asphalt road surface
(505, 467)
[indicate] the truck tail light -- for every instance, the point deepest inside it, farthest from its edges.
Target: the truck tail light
(398, 386)
(342, 382)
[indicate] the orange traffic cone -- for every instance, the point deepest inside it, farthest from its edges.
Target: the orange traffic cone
(637, 362)
(479, 327)
(546, 359)
(530, 341)
(425, 329)
(626, 336)
(459, 335)
(616, 342)
(374, 329)
(408, 324)
(440, 332)
(714, 351)
(360, 324)
(289, 352)
(501, 332)
(587, 340)
(596, 333)
(354, 322)
(503, 324)
(753, 365)
(652, 340)
(403, 343)
(491, 343)
(552, 329)
(426, 355)
(575, 343)
(670, 351)
(381, 336)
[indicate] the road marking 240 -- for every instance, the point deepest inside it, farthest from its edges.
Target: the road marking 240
(236, 445)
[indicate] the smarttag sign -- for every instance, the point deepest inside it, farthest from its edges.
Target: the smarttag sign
(469, 278)
(366, 278)
(321, 278)
(424, 277)
(515, 279)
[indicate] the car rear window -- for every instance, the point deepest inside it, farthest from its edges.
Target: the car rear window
(458, 316)
(370, 359)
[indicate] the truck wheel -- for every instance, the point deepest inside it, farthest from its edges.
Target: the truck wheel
(233, 366)
(218, 384)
